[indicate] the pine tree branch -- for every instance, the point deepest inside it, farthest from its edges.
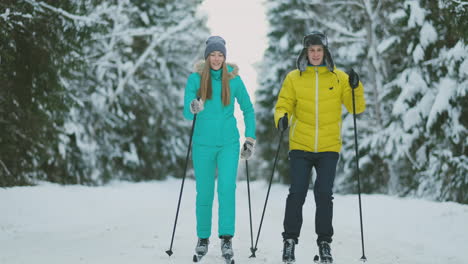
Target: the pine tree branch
(156, 40)
(64, 13)
(5, 167)
(132, 33)
(411, 159)
(371, 12)
(461, 3)
(335, 26)
(7, 14)
(344, 3)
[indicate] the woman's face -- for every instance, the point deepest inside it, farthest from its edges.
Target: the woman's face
(315, 54)
(216, 59)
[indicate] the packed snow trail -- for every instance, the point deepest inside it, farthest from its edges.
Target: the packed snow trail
(132, 223)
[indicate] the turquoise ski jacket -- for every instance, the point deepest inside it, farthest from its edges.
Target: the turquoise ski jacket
(216, 124)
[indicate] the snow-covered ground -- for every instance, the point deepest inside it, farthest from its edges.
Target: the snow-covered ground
(132, 223)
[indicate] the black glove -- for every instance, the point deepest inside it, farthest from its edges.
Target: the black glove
(353, 79)
(283, 123)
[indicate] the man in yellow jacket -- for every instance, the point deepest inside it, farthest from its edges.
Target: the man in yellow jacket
(310, 104)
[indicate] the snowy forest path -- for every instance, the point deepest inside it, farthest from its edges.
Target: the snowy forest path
(132, 223)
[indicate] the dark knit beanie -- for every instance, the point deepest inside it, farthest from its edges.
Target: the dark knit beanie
(315, 38)
(215, 43)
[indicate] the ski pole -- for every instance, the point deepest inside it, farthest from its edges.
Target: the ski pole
(169, 252)
(268, 193)
(363, 258)
(250, 208)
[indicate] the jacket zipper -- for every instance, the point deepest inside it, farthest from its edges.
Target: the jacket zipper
(316, 109)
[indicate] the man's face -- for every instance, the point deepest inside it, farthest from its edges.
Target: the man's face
(315, 54)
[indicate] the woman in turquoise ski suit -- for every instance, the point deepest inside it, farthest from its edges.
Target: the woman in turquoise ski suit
(216, 139)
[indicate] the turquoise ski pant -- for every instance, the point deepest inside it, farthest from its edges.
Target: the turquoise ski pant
(206, 159)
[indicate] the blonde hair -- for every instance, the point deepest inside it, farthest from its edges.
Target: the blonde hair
(206, 91)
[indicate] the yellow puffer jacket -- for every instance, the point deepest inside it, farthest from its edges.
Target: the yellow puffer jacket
(313, 103)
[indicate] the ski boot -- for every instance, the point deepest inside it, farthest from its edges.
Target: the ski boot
(226, 249)
(288, 251)
(325, 252)
(201, 249)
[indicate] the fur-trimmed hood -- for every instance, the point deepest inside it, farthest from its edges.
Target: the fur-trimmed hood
(233, 69)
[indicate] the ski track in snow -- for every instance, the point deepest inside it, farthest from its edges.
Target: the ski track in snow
(132, 223)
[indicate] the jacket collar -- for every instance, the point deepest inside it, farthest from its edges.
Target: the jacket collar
(319, 68)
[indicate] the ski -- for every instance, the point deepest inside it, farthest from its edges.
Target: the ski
(318, 261)
(229, 260)
(201, 249)
(197, 258)
(226, 249)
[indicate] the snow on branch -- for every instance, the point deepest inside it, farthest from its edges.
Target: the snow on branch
(156, 40)
(461, 3)
(335, 26)
(7, 14)
(346, 40)
(345, 3)
(5, 167)
(442, 100)
(132, 33)
(372, 13)
(64, 13)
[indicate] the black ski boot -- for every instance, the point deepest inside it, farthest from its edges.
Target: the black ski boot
(325, 252)
(201, 249)
(226, 249)
(288, 251)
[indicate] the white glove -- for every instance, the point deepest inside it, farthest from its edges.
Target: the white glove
(248, 148)
(196, 106)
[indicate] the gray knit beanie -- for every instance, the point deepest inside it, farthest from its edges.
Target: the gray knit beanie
(215, 43)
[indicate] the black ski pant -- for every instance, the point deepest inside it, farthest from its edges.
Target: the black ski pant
(301, 163)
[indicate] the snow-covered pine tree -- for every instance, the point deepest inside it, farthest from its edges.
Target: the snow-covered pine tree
(429, 130)
(287, 28)
(34, 45)
(130, 124)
